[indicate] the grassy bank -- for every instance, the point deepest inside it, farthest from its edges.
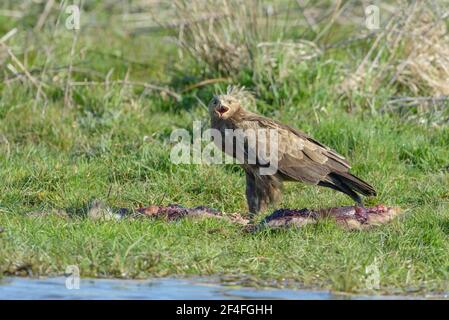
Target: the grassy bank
(77, 124)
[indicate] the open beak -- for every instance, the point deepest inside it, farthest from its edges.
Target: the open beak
(221, 110)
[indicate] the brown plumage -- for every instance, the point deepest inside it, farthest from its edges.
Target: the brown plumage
(299, 157)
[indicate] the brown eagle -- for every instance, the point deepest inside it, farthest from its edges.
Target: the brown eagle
(297, 156)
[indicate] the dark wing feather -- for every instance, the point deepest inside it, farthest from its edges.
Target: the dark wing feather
(300, 156)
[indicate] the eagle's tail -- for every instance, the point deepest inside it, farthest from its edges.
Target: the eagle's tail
(349, 184)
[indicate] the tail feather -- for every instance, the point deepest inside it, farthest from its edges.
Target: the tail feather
(342, 188)
(349, 184)
(353, 182)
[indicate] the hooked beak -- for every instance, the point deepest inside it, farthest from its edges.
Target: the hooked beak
(221, 110)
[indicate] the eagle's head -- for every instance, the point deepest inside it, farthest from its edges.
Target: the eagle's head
(224, 106)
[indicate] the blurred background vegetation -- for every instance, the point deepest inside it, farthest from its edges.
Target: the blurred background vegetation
(282, 50)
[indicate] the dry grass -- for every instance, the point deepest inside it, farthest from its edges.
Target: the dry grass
(426, 47)
(229, 35)
(412, 51)
(228, 38)
(221, 34)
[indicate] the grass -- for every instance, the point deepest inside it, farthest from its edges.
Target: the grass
(111, 142)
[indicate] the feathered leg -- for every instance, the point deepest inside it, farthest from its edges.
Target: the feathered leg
(261, 191)
(251, 193)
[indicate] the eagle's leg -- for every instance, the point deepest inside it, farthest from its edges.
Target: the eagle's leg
(269, 189)
(261, 191)
(252, 196)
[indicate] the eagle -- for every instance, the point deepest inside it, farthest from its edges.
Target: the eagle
(297, 156)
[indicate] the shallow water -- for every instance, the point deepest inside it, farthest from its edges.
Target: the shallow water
(164, 288)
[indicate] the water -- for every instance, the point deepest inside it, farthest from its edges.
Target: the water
(164, 288)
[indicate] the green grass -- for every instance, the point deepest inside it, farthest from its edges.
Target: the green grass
(113, 144)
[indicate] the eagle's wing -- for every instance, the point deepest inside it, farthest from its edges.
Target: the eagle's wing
(300, 157)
